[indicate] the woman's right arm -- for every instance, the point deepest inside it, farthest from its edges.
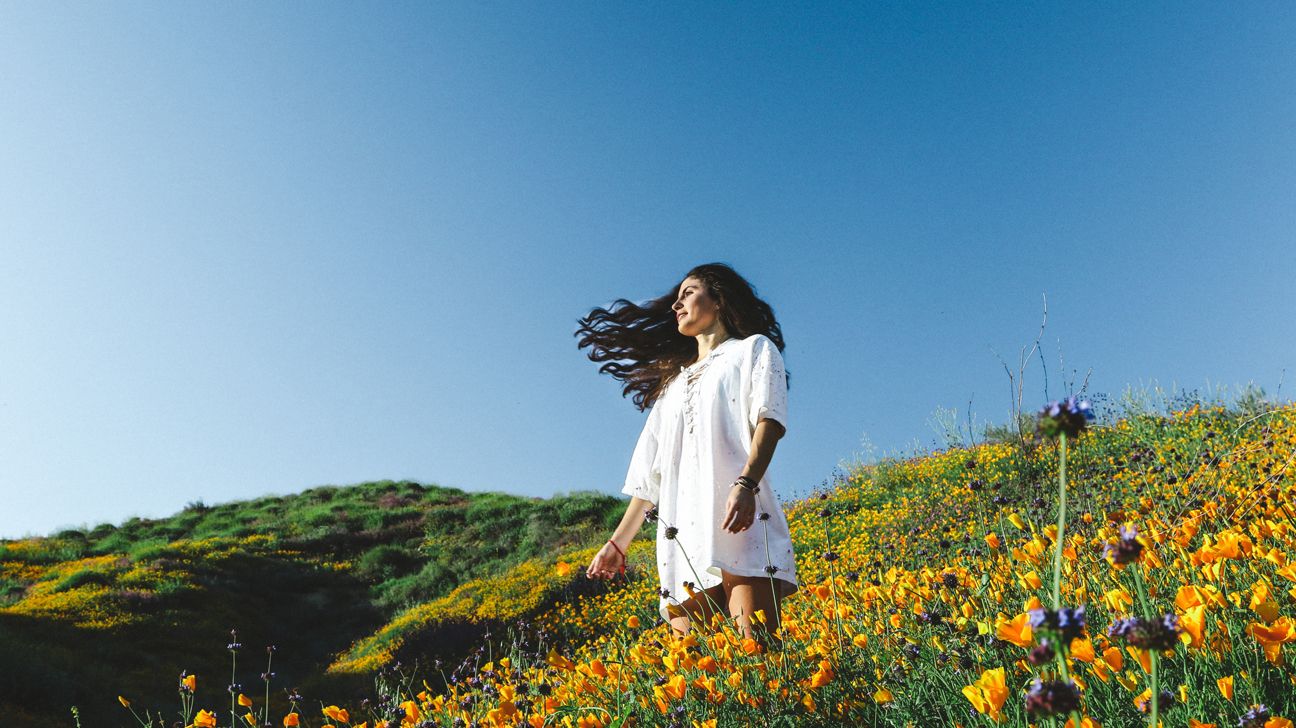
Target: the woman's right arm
(608, 560)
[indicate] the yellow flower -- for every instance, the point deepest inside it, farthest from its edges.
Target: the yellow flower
(563, 568)
(205, 719)
(989, 693)
(1261, 602)
(558, 660)
(1273, 636)
(250, 719)
(191, 682)
(1082, 649)
(244, 701)
(1118, 600)
(1225, 685)
(1030, 580)
(883, 696)
(992, 540)
(675, 687)
(1192, 621)
(1143, 700)
(335, 713)
(1191, 595)
(125, 703)
(290, 720)
(1017, 521)
(632, 622)
(1016, 630)
(822, 676)
(1114, 659)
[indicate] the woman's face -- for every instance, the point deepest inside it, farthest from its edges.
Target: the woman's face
(695, 311)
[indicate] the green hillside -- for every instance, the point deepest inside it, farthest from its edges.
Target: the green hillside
(918, 580)
(130, 606)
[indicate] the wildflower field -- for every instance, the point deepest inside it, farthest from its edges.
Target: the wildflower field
(935, 592)
(1129, 571)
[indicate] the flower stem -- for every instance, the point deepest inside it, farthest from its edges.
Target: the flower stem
(1061, 522)
(233, 695)
(1141, 588)
(715, 607)
(1156, 689)
(778, 618)
(265, 713)
(832, 576)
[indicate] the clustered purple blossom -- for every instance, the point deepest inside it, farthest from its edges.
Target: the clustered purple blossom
(1068, 622)
(1067, 416)
(1127, 549)
(1055, 697)
(1147, 634)
(1042, 654)
(1256, 717)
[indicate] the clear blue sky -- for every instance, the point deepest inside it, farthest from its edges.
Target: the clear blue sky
(251, 248)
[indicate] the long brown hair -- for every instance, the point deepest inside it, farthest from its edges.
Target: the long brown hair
(648, 336)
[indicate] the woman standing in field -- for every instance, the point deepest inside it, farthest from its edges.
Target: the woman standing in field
(706, 357)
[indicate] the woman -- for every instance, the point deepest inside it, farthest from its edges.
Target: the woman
(707, 358)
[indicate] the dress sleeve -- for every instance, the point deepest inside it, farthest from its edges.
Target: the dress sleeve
(768, 398)
(643, 479)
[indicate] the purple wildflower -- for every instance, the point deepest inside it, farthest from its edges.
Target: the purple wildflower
(1054, 697)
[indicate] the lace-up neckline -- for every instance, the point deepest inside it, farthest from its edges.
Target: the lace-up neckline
(692, 374)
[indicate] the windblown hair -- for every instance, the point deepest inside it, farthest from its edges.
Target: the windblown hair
(648, 337)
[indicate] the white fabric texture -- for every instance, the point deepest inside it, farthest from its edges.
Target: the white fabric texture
(695, 443)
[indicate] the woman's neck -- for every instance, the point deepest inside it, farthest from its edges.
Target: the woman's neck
(708, 341)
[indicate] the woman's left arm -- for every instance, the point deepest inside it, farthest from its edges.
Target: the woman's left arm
(740, 513)
(764, 440)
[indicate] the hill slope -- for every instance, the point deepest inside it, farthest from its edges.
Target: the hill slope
(918, 577)
(922, 614)
(309, 573)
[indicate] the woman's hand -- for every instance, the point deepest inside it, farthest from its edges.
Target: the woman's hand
(607, 562)
(741, 510)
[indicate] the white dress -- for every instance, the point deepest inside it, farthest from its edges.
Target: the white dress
(694, 444)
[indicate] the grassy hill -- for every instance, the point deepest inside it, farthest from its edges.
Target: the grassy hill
(308, 573)
(918, 580)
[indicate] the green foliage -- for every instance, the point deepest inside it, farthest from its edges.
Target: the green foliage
(349, 557)
(384, 562)
(11, 590)
(432, 580)
(84, 577)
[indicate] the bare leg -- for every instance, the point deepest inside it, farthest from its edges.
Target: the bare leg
(698, 609)
(748, 594)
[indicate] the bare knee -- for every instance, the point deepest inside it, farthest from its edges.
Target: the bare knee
(751, 594)
(680, 625)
